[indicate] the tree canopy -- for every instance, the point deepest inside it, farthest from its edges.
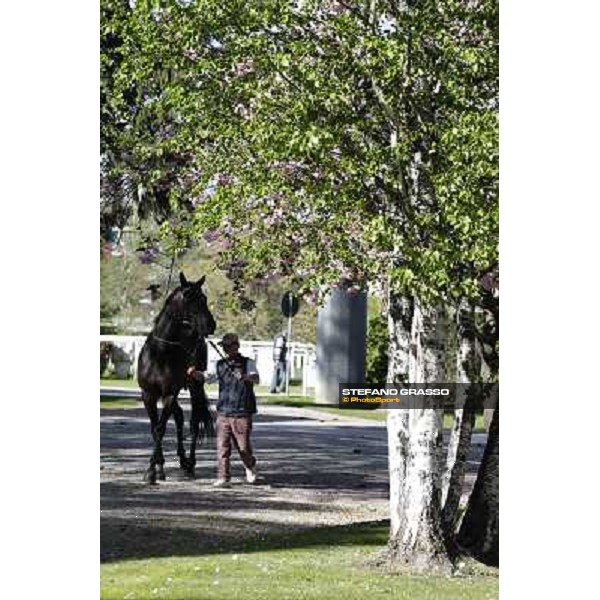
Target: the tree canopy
(343, 143)
(327, 141)
(134, 284)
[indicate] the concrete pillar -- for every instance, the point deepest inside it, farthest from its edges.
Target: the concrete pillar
(341, 343)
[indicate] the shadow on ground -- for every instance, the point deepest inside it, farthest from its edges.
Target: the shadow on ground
(146, 539)
(315, 475)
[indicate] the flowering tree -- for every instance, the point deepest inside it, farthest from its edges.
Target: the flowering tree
(337, 143)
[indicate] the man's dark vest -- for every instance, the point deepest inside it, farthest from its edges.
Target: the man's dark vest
(235, 397)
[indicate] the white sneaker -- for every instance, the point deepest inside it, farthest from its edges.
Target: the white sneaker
(221, 483)
(250, 475)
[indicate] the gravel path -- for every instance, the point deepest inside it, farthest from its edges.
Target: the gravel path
(315, 470)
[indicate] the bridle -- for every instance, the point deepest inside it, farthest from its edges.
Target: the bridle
(179, 344)
(195, 334)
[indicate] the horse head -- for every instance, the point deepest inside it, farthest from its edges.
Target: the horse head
(195, 307)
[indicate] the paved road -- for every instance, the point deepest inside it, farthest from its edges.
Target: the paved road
(316, 470)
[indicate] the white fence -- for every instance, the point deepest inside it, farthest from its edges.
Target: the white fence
(302, 357)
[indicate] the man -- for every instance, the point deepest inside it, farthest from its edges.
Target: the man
(237, 376)
(280, 364)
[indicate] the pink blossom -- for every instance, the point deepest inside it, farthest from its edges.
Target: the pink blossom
(224, 179)
(211, 236)
(242, 111)
(191, 53)
(244, 67)
(147, 255)
(311, 298)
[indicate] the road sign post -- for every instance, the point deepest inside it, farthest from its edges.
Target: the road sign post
(289, 308)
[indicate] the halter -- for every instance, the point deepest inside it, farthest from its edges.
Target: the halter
(172, 343)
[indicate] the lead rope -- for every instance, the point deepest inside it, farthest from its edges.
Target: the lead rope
(170, 343)
(225, 359)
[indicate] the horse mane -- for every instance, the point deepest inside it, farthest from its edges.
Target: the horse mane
(166, 306)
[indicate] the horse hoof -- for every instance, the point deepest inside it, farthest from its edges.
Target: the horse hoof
(161, 475)
(150, 477)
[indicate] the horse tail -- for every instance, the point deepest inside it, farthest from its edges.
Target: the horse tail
(206, 415)
(208, 418)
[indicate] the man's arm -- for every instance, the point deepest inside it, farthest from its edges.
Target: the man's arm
(194, 373)
(200, 361)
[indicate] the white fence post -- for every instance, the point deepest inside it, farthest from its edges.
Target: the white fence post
(261, 351)
(304, 373)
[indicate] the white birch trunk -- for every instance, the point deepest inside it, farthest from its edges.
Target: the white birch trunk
(414, 447)
(453, 444)
(400, 316)
(464, 349)
(462, 427)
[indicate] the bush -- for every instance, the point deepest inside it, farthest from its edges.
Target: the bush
(377, 348)
(105, 351)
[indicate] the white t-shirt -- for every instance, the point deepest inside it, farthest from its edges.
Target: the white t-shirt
(251, 367)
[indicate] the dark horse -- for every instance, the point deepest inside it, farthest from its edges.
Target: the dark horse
(175, 343)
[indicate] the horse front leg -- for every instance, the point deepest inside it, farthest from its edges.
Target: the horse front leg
(179, 422)
(157, 461)
(150, 403)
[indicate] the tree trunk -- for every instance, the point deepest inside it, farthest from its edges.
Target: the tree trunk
(479, 531)
(464, 421)
(454, 475)
(415, 443)
(400, 316)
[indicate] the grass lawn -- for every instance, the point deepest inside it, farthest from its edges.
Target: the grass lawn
(132, 383)
(111, 403)
(294, 401)
(295, 390)
(315, 565)
(360, 413)
(114, 382)
(117, 402)
(308, 402)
